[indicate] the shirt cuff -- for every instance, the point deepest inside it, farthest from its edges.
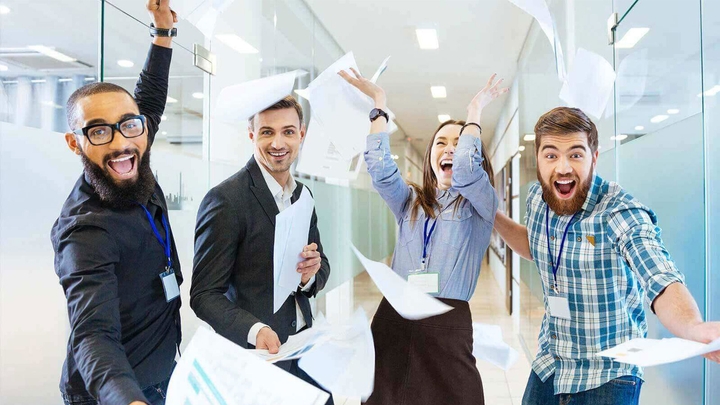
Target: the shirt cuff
(308, 286)
(252, 335)
(121, 391)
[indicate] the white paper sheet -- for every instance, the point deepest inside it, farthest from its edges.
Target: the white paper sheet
(653, 352)
(237, 103)
(203, 14)
(295, 347)
(589, 85)
(215, 371)
(292, 227)
(408, 300)
(539, 10)
(488, 345)
(319, 157)
(631, 81)
(345, 363)
(380, 70)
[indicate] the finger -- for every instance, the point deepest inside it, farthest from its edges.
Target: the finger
(490, 81)
(151, 5)
(175, 17)
(312, 246)
(310, 270)
(163, 3)
(357, 74)
(497, 83)
(274, 346)
(308, 263)
(310, 254)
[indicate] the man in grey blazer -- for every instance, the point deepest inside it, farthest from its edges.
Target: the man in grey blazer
(232, 281)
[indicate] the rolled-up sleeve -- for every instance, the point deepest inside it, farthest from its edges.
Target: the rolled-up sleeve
(470, 179)
(636, 236)
(385, 174)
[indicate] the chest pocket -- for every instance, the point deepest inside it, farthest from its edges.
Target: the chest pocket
(408, 230)
(455, 226)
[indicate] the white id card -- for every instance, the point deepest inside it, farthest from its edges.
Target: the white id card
(426, 282)
(559, 307)
(170, 285)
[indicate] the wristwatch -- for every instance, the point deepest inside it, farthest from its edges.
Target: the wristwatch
(376, 112)
(162, 32)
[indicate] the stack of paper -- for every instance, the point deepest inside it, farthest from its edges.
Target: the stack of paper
(408, 300)
(292, 228)
(344, 364)
(295, 347)
(653, 352)
(215, 371)
(488, 345)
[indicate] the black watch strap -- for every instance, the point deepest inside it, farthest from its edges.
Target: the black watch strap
(375, 113)
(162, 32)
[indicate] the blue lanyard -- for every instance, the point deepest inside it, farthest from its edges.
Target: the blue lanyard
(556, 265)
(164, 243)
(426, 239)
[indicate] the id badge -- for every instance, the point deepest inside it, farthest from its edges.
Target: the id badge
(170, 285)
(559, 307)
(426, 282)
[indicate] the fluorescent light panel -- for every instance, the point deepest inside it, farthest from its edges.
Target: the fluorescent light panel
(631, 38)
(236, 43)
(658, 118)
(125, 63)
(171, 100)
(4, 9)
(443, 117)
(52, 53)
(438, 91)
(198, 96)
(620, 137)
(529, 137)
(639, 128)
(427, 38)
(673, 111)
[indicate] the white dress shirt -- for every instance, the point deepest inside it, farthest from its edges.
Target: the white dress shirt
(282, 196)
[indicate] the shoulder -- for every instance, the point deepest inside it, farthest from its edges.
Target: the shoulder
(621, 206)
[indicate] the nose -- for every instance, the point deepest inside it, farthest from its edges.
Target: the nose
(449, 149)
(278, 142)
(563, 166)
(119, 141)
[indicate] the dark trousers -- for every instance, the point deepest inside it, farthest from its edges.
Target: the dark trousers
(620, 391)
(155, 395)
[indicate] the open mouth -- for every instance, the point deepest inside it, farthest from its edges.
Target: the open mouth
(123, 166)
(446, 165)
(279, 155)
(565, 187)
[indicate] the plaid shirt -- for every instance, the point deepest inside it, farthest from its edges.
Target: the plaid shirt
(613, 259)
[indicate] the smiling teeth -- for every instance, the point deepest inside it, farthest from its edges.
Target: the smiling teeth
(278, 154)
(121, 159)
(446, 162)
(564, 181)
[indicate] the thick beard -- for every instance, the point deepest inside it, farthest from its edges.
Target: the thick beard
(565, 207)
(126, 194)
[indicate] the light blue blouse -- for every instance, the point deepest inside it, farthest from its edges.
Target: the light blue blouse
(461, 235)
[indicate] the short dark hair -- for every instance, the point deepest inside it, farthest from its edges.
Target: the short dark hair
(287, 102)
(89, 90)
(563, 121)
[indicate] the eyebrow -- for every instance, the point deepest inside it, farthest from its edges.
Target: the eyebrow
(441, 137)
(272, 129)
(578, 146)
(102, 121)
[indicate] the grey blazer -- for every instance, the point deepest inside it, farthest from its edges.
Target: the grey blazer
(232, 280)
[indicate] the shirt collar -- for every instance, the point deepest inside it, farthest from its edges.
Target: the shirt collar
(275, 188)
(593, 194)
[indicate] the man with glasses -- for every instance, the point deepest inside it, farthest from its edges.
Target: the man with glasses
(114, 251)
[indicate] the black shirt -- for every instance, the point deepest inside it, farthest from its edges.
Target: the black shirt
(123, 331)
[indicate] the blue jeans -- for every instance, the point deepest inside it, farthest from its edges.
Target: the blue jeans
(620, 391)
(155, 395)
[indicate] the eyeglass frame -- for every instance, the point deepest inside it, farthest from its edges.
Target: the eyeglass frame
(114, 127)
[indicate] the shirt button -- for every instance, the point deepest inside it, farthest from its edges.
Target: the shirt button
(294, 324)
(579, 239)
(554, 336)
(552, 238)
(557, 357)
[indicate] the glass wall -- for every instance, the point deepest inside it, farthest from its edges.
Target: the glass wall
(658, 139)
(108, 40)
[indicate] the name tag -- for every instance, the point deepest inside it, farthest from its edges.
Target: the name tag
(426, 282)
(559, 307)
(170, 285)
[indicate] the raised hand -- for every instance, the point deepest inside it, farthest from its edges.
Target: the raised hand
(490, 92)
(369, 88)
(161, 14)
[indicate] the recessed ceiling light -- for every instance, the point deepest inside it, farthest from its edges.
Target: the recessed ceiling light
(631, 38)
(198, 95)
(673, 111)
(164, 132)
(443, 117)
(4, 9)
(51, 53)
(529, 137)
(519, 155)
(711, 92)
(3, 68)
(64, 80)
(521, 148)
(620, 137)
(438, 91)
(125, 63)
(38, 81)
(427, 38)
(658, 118)
(639, 128)
(171, 100)
(164, 118)
(89, 79)
(236, 43)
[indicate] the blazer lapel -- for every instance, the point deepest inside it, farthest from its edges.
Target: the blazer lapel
(261, 191)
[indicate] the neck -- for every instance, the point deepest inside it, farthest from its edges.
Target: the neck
(281, 177)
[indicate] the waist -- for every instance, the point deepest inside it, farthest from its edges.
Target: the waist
(458, 318)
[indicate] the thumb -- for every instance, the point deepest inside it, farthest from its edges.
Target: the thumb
(273, 346)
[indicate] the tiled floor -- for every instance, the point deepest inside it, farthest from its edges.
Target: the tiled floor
(487, 306)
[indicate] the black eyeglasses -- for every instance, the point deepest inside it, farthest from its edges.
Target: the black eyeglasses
(101, 134)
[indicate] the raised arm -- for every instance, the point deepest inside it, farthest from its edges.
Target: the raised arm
(152, 86)
(385, 173)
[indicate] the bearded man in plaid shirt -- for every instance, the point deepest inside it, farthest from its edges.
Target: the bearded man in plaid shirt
(600, 257)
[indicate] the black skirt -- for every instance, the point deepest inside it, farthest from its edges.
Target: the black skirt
(429, 361)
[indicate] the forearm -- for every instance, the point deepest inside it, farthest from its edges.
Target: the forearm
(677, 310)
(514, 234)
